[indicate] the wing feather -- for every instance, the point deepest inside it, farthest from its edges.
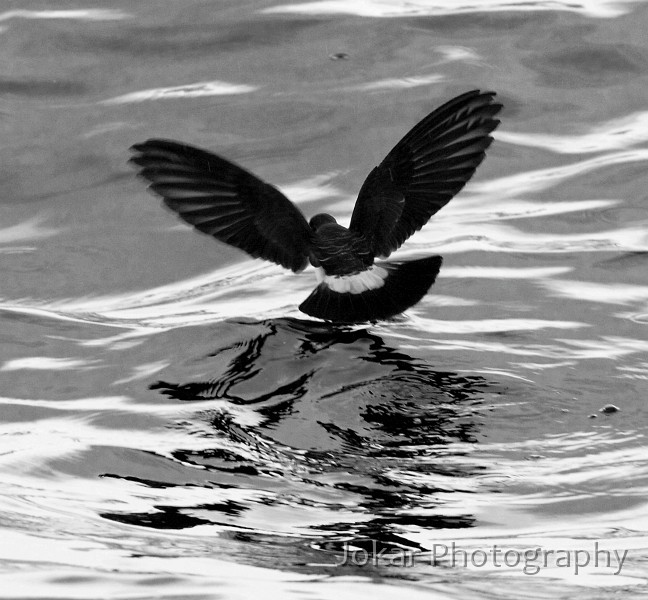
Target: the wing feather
(424, 171)
(225, 201)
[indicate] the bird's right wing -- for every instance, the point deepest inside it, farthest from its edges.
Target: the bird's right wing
(221, 199)
(424, 171)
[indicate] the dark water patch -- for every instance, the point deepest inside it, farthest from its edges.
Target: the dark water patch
(165, 517)
(481, 23)
(626, 260)
(589, 65)
(395, 392)
(202, 39)
(37, 88)
(354, 458)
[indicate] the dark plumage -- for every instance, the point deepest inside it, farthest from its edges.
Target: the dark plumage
(416, 179)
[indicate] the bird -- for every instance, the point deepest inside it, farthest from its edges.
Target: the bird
(419, 176)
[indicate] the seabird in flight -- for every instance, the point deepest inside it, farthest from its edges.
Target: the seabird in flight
(417, 178)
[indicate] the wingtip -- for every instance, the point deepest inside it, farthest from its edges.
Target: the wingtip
(145, 145)
(481, 99)
(158, 144)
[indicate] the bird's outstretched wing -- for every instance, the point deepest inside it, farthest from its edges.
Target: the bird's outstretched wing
(221, 199)
(424, 171)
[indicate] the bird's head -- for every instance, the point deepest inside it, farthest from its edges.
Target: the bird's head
(322, 219)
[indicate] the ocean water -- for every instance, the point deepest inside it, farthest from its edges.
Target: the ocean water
(171, 426)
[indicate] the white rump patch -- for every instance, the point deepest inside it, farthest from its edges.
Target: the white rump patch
(371, 279)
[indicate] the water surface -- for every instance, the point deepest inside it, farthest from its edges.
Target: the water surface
(171, 424)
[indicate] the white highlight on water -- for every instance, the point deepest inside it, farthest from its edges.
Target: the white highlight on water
(390, 9)
(617, 134)
(29, 230)
(192, 90)
(96, 14)
(45, 363)
(401, 82)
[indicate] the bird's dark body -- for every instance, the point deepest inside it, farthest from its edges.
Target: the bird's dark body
(419, 176)
(339, 251)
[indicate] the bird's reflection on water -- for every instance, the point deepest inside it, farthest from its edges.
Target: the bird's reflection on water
(349, 424)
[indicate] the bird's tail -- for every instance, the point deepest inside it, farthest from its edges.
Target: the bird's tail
(392, 288)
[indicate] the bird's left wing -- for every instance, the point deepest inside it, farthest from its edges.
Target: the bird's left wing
(225, 201)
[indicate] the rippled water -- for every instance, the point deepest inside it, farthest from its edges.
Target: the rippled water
(172, 426)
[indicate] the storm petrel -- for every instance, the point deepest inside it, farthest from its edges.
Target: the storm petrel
(416, 179)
